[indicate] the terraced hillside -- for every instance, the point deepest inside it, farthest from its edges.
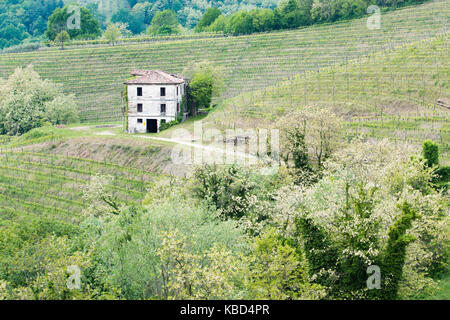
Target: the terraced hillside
(391, 94)
(44, 184)
(96, 74)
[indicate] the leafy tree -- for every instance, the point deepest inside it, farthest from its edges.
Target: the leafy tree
(164, 23)
(89, 27)
(309, 136)
(219, 25)
(275, 272)
(240, 23)
(294, 14)
(189, 278)
(144, 10)
(263, 20)
(206, 82)
(102, 201)
(321, 253)
(430, 151)
(230, 190)
(27, 102)
(395, 254)
(93, 8)
(134, 20)
(62, 38)
(207, 19)
(111, 33)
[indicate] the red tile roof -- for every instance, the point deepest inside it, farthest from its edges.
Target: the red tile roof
(154, 77)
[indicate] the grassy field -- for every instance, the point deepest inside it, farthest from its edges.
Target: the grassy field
(96, 74)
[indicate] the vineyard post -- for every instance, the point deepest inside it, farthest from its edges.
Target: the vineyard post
(348, 80)
(334, 84)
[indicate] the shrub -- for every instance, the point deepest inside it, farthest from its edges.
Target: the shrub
(167, 125)
(430, 151)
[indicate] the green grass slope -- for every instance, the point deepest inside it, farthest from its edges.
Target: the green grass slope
(96, 74)
(390, 94)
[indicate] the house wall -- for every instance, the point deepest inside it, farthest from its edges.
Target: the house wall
(151, 101)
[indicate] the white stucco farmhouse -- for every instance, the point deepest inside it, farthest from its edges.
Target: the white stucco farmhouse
(154, 97)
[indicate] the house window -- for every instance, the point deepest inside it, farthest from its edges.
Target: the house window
(139, 120)
(139, 107)
(163, 92)
(178, 107)
(139, 92)
(163, 108)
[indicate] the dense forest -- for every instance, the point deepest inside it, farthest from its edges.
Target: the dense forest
(22, 19)
(26, 21)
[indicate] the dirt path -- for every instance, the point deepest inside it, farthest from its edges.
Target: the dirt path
(215, 152)
(224, 151)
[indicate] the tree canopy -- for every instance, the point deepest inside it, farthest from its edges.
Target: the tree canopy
(23, 19)
(163, 23)
(77, 21)
(27, 102)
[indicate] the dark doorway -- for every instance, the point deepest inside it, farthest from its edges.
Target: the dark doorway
(152, 126)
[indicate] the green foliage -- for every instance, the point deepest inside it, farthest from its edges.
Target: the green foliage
(133, 19)
(430, 151)
(29, 102)
(289, 14)
(308, 137)
(236, 192)
(340, 263)
(125, 101)
(341, 225)
(24, 19)
(167, 125)
(207, 19)
(163, 23)
(443, 173)
(111, 33)
(58, 21)
(314, 241)
(395, 253)
(205, 82)
(62, 38)
(275, 272)
(135, 251)
(229, 189)
(34, 259)
(320, 252)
